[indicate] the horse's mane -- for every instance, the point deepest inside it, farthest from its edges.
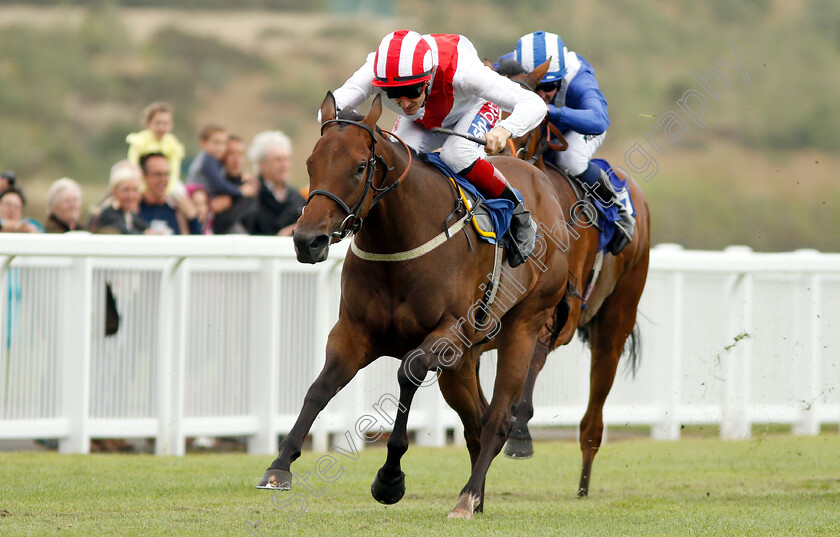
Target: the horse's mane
(510, 68)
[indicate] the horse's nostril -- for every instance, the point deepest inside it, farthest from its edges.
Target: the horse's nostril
(311, 248)
(319, 243)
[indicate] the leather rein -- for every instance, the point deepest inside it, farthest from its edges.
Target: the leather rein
(536, 144)
(353, 222)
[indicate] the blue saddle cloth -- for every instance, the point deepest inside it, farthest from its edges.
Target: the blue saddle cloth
(610, 212)
(500, 211)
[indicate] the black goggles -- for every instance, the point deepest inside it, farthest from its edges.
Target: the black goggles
(548, 87)
(409, 92)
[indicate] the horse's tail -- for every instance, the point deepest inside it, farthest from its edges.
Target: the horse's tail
(632, 347)
(556, 324)
(633, 350)
(484, 403)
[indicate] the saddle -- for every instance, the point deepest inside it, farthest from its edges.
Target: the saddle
(593, 217)
(489, 217)
(603, 217)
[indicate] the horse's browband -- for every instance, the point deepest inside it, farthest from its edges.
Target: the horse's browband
(350, 122)
(356, 224)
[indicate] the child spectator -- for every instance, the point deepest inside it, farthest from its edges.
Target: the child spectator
(207, 169)
(64, 206)
(158, 138)
(231, 215)
(198, 195)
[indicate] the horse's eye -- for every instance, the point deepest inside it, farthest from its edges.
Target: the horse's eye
(361, 169)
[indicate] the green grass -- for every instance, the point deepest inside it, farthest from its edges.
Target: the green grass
(773, 485)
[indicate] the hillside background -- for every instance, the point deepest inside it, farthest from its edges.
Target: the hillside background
(762, 171)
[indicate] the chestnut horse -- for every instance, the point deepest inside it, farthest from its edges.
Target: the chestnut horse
(403, 296)
(609, 315)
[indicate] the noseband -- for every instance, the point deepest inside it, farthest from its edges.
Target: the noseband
(353, 222)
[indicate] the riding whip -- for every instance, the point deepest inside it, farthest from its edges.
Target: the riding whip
(469, 137)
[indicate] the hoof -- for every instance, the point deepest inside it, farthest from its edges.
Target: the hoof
(276, 480)
(460, 513)
(387, 492)
(516, 448)
(465, 507)
(583, 487)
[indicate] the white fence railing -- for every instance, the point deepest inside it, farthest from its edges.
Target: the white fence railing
(222, 336)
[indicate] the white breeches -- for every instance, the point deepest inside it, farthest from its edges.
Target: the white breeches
(456, 152)
(582, 147)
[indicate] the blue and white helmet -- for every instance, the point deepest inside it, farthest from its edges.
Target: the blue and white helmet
(532, 50)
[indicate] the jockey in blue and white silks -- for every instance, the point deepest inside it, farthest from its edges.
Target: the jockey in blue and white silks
(578, 109)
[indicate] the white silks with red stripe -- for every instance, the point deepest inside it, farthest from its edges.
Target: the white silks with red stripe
(402, 59)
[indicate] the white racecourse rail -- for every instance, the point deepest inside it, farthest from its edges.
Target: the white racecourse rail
(222, 336)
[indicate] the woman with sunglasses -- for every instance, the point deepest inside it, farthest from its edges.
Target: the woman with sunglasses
(578, 109)
(438, 80)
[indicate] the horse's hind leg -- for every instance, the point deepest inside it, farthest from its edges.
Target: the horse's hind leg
(347, 349)
(608, 332)
(519, 444)
(515, 350)
(460, 390)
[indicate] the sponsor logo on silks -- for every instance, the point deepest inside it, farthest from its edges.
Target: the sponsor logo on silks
(485, 120)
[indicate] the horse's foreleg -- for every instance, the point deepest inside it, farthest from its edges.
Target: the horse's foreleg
(608, 332)
(519, 444)
(516, 347)
(345, 352)
(388, 486)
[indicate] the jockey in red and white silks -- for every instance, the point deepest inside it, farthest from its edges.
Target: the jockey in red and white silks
(438, 80)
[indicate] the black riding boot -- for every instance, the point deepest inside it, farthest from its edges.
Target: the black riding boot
(523, 231)
(605, 190)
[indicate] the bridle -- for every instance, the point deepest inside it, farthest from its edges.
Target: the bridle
(353, 222)
(533, 150)
(536, 144)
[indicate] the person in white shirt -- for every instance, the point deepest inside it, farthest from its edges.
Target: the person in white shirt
(438, 80)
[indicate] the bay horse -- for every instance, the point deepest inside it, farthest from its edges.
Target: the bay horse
(401, 297)
(607, 318)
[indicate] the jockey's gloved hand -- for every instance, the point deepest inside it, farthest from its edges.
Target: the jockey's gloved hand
(555, 114)
(496, 140)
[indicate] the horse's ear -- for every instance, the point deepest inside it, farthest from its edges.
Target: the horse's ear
(375, 111)
(538, 73)
(488, 63)
(328, 107)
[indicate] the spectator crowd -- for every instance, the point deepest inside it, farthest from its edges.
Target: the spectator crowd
(219, 193)
(147, 194)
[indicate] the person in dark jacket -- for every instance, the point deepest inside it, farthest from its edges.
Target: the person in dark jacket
(231, 213)
(64, 206)
(278, 205)
(119, 214)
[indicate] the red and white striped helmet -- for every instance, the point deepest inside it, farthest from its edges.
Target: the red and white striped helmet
(403, 58)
